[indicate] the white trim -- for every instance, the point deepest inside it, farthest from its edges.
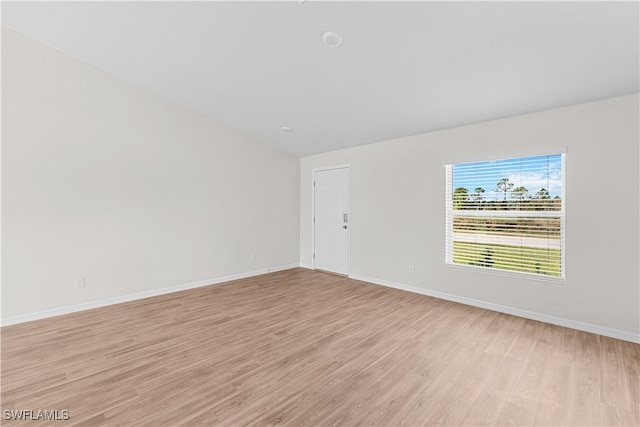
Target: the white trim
(563, 219)
(517, 154)
(509, 214)
(546, 318)
(313, 219)
(12, 320)
(330, 168)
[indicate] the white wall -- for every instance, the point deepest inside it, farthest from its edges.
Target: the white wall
(104, 180)
(401, 184)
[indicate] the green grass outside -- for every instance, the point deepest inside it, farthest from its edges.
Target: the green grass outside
(506, 257)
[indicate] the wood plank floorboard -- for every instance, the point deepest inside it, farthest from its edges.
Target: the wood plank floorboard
(307, 348)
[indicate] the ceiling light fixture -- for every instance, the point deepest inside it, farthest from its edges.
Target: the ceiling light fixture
(332, 39)
(286, 129)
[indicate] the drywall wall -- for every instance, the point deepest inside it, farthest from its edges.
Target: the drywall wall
(106, 181)
(400, 183)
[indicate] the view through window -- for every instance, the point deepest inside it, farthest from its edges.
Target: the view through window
(507, 215)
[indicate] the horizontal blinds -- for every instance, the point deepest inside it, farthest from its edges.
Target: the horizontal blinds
(507, 215)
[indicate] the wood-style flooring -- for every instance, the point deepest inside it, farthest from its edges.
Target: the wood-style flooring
(305, 348)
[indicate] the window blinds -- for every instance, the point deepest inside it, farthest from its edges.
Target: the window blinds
(507, 215)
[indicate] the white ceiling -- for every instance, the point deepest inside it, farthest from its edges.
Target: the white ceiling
(404, 68)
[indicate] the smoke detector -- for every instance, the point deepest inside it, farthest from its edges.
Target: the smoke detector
(332, 39)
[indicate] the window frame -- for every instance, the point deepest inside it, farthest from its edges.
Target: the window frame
(451, 213)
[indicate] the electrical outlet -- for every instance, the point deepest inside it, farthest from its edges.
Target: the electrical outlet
(253, 257)
(79, 282)
(410, 268)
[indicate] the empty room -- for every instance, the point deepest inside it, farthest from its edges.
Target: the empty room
(320, 213)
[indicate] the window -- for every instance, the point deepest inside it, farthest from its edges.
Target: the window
(507, 215)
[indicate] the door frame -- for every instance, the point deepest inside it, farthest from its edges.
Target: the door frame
(313, 212)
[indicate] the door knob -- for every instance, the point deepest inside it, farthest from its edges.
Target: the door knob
(344, 226)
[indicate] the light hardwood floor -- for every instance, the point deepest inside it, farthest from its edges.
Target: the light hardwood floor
(305, 348)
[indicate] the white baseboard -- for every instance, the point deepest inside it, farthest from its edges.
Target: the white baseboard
(12, 320)
(574, 324)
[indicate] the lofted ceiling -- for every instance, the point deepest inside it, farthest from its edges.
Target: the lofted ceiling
(404, 68)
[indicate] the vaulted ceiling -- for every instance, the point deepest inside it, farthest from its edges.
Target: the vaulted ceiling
(404, 67)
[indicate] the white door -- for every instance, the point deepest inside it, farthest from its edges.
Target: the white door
(331, 220)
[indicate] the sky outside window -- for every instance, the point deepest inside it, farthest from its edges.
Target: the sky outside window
(533, 173)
